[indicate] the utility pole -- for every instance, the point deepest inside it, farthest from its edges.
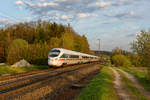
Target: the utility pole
(98, 44)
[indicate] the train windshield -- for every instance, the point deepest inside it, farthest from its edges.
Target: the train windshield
(54, 53)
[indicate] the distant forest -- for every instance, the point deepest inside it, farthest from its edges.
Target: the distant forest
(107, 53)
(32, 41)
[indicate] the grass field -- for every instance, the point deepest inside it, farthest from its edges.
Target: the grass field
(100, 88)
(141, 76)
(6, 69)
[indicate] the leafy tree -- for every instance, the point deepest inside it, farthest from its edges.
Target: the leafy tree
(3, 43)
(41, 36)
(142, 47)
(38, 53)
(121, 60)
(55, 42)
(117, 51)
(15, 50)
(85, 45)
(136, 60)
(77, 44)
(67, 41)
(39, 33)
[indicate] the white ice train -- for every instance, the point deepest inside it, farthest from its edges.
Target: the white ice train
(59, 57)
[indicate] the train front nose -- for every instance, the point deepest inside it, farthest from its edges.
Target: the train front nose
(52, 57)
(50, 61)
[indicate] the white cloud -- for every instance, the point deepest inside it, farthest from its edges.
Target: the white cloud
(61, 0)
(76, 8)
(132, 13)
(41, 8)
(103, 4)
(19, 2)
(42, 0)
(57, 14)
(5, 21)
(84, 15)
(125, 15)
(51, 4)
(64, 17)
(138, 33)
(114, 3)
(27, 18)
(20, 7)
(41, 4)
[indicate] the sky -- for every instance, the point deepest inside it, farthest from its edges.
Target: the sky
(114, 22)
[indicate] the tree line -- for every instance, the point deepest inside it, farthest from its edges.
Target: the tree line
(33, 40)
(140, 55)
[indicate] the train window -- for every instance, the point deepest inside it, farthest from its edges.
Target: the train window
(64, 56)
(71, 56)
(84, 56)
(54, 53)
(74, 56)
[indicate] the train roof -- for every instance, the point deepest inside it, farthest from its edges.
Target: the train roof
(73, 52)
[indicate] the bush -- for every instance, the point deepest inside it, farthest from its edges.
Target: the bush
(16, 50)
(136, 60)
(37, 53)
(121, 60)
(33, 53)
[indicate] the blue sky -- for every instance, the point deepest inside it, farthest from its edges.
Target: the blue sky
(115, 22)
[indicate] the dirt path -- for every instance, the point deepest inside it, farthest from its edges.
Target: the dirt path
(122, 91)
(136, 83)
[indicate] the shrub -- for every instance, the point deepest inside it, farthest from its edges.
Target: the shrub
(136, 60)
(16, 50)
(33, 53)
(121, 60)
(37, 53)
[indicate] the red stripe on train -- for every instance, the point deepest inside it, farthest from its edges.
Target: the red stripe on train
(71, 59)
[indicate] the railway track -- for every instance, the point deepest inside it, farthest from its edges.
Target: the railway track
(7, 78)
(10, 77)
(25, 84)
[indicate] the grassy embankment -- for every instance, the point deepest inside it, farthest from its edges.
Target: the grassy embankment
(100, 88)
(141, 76)
(132, 88)
(5, 69)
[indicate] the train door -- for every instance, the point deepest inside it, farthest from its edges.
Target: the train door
(64, 58)
(80, 59)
